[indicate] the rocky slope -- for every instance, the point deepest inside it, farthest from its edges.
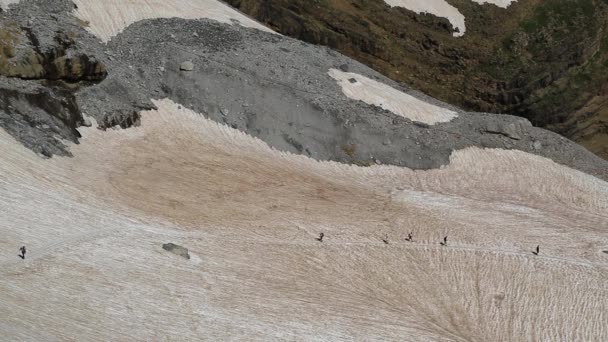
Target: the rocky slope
(307, 112)
(543, 60)
(206, 179)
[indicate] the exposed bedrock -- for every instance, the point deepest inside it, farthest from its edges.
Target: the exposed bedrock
(43, 64)
(23, 56)
(40, 117)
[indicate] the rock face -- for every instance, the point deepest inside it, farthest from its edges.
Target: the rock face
(513, 130)
(44, 63)
(36, 115)
(543, 60)
(23, 56)
(177, 250)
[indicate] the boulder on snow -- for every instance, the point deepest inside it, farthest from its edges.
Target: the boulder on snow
(177, 250)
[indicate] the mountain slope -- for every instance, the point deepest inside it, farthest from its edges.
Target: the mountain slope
(182, 194)
(543, 60)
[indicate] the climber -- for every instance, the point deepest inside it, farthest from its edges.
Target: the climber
(320, 238)
(409, 237)
(537, 250)
(445, 241)
(22, 250)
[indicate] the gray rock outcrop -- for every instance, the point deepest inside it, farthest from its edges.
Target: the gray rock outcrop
(514, 130)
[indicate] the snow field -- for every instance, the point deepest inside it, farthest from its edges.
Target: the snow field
(249, 215)
(109, 17)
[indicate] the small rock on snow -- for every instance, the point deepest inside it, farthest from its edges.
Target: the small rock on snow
(177, 250)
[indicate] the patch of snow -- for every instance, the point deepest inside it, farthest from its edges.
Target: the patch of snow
(107, 18)
(443, 9)
(439, 8)
(372, 92)
(499, 3)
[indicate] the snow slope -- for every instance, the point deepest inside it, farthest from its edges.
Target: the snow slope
(249, 215)
(109, 17)
(359, 87)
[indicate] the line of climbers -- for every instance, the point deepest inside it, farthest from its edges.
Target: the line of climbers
(410, 238)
